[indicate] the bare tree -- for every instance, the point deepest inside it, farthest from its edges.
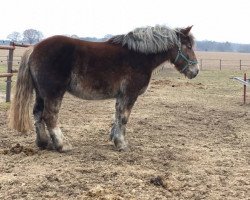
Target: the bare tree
(74, 36)
(14, 36)
(32, 36)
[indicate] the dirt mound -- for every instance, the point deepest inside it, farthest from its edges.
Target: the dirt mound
(161, 82)
(178, 84)
(17, 149)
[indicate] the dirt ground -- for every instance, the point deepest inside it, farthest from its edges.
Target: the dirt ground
(188, 139)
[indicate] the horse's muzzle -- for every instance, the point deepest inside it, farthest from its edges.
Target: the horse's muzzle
(192, 71)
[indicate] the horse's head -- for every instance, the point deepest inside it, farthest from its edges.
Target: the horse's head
(183, 56)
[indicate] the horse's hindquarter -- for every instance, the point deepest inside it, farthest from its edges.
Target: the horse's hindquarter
(50, 65)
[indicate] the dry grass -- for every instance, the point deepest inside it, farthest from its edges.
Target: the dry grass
(229, 60)
(223, 55)
(17, 53)
(2, 80)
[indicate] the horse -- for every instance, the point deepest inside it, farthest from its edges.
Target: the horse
(120, 68)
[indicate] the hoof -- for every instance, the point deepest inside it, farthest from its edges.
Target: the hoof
(123, 149)
(50, 146)
(59, 149)
(42, 144)
(121, 145)
(57, 142)
(65, 148)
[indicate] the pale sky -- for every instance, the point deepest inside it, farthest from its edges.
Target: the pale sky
(217, 20)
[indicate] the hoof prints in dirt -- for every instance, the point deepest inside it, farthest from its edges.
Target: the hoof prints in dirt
(17, 149)
(157, 181)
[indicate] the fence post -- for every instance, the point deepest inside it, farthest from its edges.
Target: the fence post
(244, 90)
(240, 64)
(9, 70)
(220, 64)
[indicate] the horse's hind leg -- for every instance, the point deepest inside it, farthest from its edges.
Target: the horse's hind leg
(123, 107)
(50, 116)
(42, 139)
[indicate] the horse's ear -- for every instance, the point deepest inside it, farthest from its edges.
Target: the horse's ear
(185, 31)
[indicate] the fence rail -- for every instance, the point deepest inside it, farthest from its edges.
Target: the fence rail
(2, 75)
(224, 64)
(7, 47)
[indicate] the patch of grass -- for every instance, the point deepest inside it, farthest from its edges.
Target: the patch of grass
(2, 80)
(2, 86)
(4, 106)
(218, 87)
(3, 69)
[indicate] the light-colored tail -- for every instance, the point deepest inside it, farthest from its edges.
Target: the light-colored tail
(19, 114)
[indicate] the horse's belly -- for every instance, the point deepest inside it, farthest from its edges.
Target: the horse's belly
(91, 95)
(88, 92)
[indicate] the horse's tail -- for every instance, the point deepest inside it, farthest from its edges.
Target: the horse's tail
(19, 115)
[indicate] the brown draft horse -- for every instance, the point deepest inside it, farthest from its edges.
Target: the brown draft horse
(120, 68)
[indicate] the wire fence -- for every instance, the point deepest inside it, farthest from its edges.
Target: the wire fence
(220, 64)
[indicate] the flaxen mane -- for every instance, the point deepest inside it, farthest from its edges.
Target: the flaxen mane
(149, 39)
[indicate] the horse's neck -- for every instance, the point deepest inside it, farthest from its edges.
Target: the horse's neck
(157, 59)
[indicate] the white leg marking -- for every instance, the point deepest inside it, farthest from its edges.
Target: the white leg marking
(57, 137)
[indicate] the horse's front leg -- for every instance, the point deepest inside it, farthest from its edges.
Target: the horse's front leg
(123, 107)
